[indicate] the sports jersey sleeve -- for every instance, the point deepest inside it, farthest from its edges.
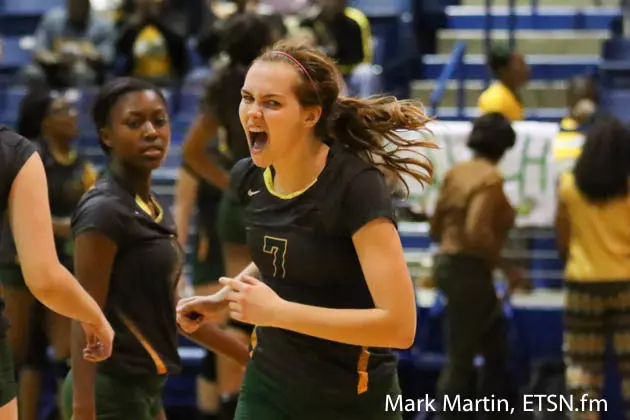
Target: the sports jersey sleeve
(102, 214)
(15, 150)
(367, 198)
(237, 190)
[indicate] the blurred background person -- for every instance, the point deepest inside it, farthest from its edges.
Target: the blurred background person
(73, 47)
(592, 235)
(148, 48)
(511, 73)
(344, 34)
(471, 222)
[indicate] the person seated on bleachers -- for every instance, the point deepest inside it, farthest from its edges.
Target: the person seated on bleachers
(208, 44)
(73, 46)
(582, 102)
(149, 48)
(470, 223)
(344, 34)
(511, 73)
(592, 236)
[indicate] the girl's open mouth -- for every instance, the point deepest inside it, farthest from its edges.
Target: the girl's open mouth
(257, 140)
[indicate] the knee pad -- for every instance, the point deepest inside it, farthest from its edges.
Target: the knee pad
(209, 367)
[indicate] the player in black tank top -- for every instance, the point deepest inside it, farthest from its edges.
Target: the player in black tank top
(244, 36)
(328, 288)
(128, 257)
(23, 200)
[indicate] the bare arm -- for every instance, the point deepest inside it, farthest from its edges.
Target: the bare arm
(214, 338)
(202, 130)
(94, 257)
(392, 323)
(47, 279)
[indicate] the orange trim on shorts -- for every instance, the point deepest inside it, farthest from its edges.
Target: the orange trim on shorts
(362, 370)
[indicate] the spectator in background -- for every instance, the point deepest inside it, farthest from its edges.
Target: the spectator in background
(582, 103)
(148, 48)
(471, 221)
(592, 234)
(73, 46)
(511, 73)
(209, 43)
(344, 34)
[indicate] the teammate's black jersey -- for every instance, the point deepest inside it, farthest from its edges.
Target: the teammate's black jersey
(302, 245)
(67, 182)
(140, 303)
(15, 150)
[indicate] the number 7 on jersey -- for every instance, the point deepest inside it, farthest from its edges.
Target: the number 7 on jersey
(278, 248)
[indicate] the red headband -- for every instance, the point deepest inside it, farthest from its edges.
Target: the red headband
(303, 69)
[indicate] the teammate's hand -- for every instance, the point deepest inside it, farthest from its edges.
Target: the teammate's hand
(100, 340)
(195, 310)
(252, 301)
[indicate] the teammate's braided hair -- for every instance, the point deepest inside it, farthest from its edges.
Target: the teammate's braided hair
(109, 95)
(370, 128)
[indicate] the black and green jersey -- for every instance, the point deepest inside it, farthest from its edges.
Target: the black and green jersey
(302, 244)
(140, 303)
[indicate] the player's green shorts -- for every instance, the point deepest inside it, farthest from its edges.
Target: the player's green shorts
(8, 389)
(207, 264)
(11, 277)
(231, 222)
(261, 398)
(122, 397)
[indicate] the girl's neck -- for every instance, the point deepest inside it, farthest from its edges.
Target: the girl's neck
(137, 181)
(61, 150)
(301, 167)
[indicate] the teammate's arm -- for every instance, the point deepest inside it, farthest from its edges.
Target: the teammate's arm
(93, 261)
(214, 338)
(203, 129)
(47, 279)
(196, 310)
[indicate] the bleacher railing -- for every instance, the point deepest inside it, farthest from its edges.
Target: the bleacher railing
(454, 67)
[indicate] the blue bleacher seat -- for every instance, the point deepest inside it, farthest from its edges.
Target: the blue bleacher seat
(14, 55)
(18, 23)
(615, 102)
(379, 8)
(550, 18)
(9, 104)
(616, 49)
(30, 5)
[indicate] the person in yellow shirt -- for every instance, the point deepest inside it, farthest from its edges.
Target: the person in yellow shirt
(511, 73)
(593, 236)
